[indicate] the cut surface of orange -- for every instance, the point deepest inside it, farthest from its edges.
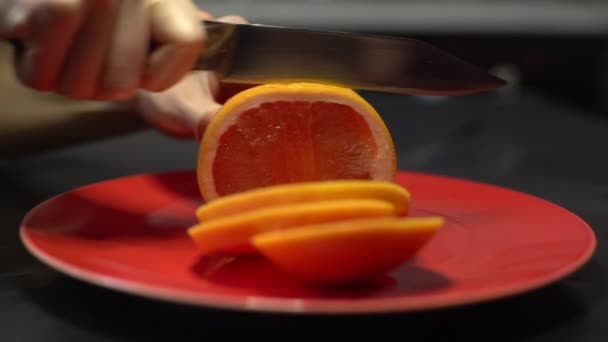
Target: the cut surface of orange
(305, 192)
(232, 234)
(285, 133)
(346, 251)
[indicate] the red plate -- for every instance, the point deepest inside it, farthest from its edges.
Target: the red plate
(128, 234)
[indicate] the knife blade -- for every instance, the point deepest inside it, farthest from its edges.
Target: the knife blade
(257, 54)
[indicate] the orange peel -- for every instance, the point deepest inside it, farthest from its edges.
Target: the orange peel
(346, 251)
(306, 192)
(232, 234)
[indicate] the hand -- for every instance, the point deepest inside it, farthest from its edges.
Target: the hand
(184, 110)
(99, 49)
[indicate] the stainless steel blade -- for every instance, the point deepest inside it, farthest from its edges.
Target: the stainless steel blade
(246, 53)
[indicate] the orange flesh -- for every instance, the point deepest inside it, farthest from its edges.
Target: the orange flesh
(282, 142)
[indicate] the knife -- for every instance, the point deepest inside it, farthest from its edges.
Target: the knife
(256, 54)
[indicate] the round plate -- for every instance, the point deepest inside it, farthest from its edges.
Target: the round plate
(128, 234)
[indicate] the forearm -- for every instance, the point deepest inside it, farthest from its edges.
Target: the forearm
(32, 122)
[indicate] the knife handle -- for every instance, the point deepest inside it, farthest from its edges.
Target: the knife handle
(219, 46)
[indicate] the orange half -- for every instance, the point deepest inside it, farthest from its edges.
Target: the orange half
(284, 133)
(346, 251)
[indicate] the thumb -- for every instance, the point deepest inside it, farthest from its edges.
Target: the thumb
(198, 102)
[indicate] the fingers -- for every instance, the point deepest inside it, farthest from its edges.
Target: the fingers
(127, 53)
(175, 26)
(192, 103)
(181, 110)
(100, 49)
(185, 109)
(109, 58)
(199, 100)
(84, 64)
(51, 28)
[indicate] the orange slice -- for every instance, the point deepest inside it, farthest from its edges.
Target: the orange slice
(303, 193)
(285, 133)
(346, 251)
(233, 234)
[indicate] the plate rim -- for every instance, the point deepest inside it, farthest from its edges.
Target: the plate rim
(299, 306)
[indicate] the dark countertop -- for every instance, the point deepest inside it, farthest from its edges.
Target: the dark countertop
(530, 144)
